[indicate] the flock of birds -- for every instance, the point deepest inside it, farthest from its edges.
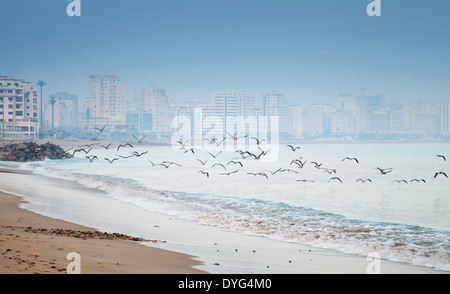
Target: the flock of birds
(236, 163)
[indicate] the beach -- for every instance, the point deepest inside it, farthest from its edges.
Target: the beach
(26, 252)
(40, 198)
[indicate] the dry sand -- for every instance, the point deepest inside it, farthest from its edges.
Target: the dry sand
(25, 252)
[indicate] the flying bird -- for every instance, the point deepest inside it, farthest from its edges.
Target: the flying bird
(227, 174)
(107, 146)
(301, 180)
(91, 158)
(139, 140)
(220, 165)
(335, 178)
(316, 164)
(111, 160)
(442, 156)
(440, 173)
(235, 137)
(417, 180)
(235, 162)
(298, 162)
(293, 148)
(274, 172)
(137, 154)
(203, 172)
(214, 156)
(258, 141)
(203, 162)
(384, 171)
(101, 129)
(124, 145)
(351, 158)
(400, 181)
(363, 181)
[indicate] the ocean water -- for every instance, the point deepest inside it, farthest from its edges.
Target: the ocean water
(399, 218)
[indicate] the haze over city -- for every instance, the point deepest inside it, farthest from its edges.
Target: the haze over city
(309, 50)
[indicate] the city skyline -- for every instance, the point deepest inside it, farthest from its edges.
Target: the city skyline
(307, 50)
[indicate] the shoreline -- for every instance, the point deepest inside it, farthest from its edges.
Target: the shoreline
(26, 249)
(186, 247)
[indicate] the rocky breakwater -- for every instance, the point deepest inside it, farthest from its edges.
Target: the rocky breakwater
(31, 151)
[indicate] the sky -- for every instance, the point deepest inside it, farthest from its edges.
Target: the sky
(310, 50)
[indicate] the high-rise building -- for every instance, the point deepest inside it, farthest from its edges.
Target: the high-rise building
(274, 104)
(18, 109)
(107, 100)
(153, 100)
(64, 112)
(445, 118)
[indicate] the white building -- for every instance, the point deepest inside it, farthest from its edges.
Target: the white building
(64, 113)
(274, 104)
(154, 100)
(107, 100)
(18, 109)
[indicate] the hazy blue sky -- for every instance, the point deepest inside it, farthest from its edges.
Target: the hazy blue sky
(311, 50)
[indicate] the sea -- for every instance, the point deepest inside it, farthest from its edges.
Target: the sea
(331, 196)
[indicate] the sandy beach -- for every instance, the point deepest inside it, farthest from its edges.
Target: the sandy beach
(27, 250)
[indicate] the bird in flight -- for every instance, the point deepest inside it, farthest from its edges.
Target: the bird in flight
(301, 180)
(82, 149)
(124, 145)
(227, 174)
(214, 156)
(293, 148)
(203, 162)
(235, 137)
(111, 160)
(139, 140)
(203, 172)
(384, 171)
(137, 154)
(400, 181)
(235, 162)
(274, 172)
(351, 158)
(101, 129)
(440, 173)
(441, 156)
(258, 141)
(363, 181)
(219, 164)
(335, 178)
(298, 162)
(91, 158)
(316, 164)
(417, 180)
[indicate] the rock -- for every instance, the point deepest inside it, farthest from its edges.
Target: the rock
(31, 151)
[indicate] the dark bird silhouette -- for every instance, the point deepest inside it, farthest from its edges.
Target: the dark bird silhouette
(293, 148)
(139, 140)
(203, 162)
(219, 164)
(440, 173)
(124, 145)
(227, 174)
(203, 172)
(335, 178)
(171, 163)
(215, 141)
(101, 129)
(259, 174)
(363, 181)
(235, 137)
(288, 170)
(153, 164)
(274, 172)
(137, 154)
(384, 171)
(258, 141)
(182, 143)
(190, 149)
(91, 158)
(329, 170)
(235, 162)
(351, 158)
(441, 156)
(214, 156)
(111, 160)
(316, 164)
(417, 180)
(81, 149)
(400, 181)
(125, 157)
(298, 162)
(107, 146)
(301, 180)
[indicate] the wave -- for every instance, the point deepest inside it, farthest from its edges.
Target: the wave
(275, 220)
